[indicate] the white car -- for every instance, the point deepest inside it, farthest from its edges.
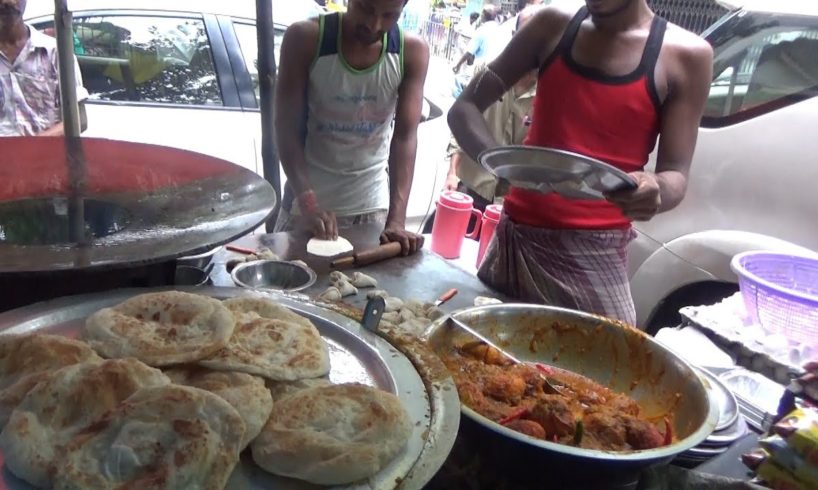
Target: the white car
(754, 180)
(183, 74)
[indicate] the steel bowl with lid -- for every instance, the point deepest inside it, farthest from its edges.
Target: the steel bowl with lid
(617, 356)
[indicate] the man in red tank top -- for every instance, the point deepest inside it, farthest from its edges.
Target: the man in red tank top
(613, 79)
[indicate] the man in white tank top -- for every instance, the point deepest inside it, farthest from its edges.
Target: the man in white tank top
(348, 105)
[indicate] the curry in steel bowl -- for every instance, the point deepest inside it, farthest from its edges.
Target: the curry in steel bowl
(619, 392)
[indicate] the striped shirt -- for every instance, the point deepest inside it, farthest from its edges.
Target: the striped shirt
(30, 87)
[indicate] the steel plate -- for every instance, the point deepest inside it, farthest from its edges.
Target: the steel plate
(726, 401)
(727, 436)
(130, 203)
(548, 170)
(356, 356)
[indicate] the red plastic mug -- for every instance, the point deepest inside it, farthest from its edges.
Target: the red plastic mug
(490, 219)
(451, 223)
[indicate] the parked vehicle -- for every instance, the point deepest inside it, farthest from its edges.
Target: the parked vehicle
(752, 184)
(184, 74)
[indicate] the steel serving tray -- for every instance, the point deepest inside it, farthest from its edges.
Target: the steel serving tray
(549, 170)
(356, 355)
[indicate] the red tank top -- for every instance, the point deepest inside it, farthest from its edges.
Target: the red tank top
(580, 109)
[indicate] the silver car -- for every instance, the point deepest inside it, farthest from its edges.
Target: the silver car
(754, 180)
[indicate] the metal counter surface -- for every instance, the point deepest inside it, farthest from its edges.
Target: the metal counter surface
(423, 276)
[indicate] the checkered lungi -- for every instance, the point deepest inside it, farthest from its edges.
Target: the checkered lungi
(585, 270)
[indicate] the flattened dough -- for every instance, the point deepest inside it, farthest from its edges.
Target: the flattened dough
(328, 248)
(247, 394)
(332, 435)
(58, 408)
(161, 437)
(161, 329)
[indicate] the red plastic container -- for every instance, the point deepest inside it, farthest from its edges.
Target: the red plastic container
(490, 219)
(451, 223)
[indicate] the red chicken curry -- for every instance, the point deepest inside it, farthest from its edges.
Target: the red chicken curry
(583, 413)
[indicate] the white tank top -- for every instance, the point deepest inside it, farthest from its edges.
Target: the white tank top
(350, 116)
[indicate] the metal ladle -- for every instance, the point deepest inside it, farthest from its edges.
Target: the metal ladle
(549, 387)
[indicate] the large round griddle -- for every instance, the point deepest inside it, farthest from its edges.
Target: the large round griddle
(122, 204)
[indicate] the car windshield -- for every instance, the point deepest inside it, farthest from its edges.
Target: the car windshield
(762, 61)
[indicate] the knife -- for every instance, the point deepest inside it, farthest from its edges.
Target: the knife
(446, 297)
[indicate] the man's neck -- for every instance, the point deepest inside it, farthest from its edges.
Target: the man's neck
(349, 39)
(13, 33)
(634, 15)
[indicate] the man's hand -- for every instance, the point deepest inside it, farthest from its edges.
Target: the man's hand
(322, 224)
(642, 203)
(451, 183)
(409, 242)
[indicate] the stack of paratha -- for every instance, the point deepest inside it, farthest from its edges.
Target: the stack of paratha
(246, 371)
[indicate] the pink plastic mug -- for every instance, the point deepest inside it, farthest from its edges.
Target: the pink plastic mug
(490, 219)
(451, 223)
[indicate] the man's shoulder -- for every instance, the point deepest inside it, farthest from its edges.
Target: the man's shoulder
(686, 46)
(414, 45)
(40, 40)
(552, 20)
(305, 29)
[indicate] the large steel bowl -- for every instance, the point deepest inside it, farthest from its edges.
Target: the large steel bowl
(617, 356)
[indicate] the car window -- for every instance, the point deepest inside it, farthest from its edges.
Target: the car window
(146, 59)
(760, 67)
(246, 34)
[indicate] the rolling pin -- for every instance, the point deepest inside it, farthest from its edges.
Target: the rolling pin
(377, 254)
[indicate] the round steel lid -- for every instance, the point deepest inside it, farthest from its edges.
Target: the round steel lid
(127, 204)
(456, 200)
(548, 170)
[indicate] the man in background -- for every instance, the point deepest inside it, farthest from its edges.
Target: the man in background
(29, 78)
(508, 120)
(488, 41)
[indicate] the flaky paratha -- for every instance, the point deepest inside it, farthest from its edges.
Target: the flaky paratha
(25, 360)
(67, 401)
(282, 389)
(246, 393)
(332, 435)
(22, 355)
(265, 308)
(162, 437)
(161, 329)
(271, 341)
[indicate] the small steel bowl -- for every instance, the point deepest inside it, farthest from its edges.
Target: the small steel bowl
(187, 275)
(273, 274)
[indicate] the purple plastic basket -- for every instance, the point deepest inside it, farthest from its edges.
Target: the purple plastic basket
(780, 292)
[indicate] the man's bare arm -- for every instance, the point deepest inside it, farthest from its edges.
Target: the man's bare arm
(297, 52)
(524, 53)
(680, 121)
(403, 148)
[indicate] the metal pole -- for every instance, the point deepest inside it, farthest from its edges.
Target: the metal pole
(63, 21)
(65, 52)
(267, 81)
